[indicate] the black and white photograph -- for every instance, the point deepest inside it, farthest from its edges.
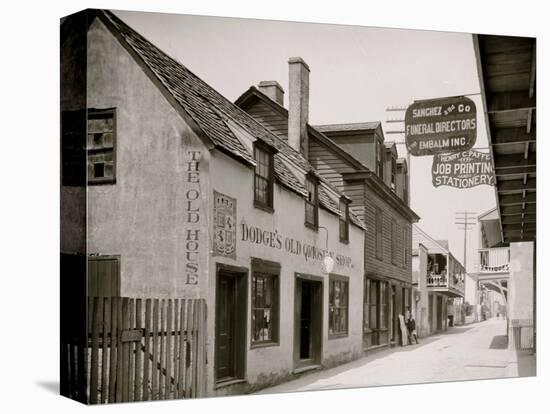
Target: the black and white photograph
(260, 207)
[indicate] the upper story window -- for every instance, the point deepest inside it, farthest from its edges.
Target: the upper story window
(379, 228)
(101, 146)
(344, 221)
(263, 177)
(394, 241)
(393, 173)
(312, 202)
(380, 158)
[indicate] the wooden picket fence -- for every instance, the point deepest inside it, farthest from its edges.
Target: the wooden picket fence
(138, 350)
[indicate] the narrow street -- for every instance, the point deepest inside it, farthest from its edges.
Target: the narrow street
(476, 351)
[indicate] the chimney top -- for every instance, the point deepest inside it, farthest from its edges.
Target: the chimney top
(273, 90)
(298, 59)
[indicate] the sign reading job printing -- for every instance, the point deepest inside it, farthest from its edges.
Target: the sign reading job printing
(438, 126)
(465, 169)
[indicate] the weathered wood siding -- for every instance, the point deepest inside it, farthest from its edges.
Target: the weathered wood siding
(272, 120)
(402, 269)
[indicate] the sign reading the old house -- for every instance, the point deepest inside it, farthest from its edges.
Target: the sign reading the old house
(225, 232)
(439, 126)
(465, 169)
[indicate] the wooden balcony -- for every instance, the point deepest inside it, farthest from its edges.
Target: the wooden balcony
(452, 286)
(495, 260)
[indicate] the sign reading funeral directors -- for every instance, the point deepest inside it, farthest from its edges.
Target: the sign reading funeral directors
(464, 169)
(437, 126)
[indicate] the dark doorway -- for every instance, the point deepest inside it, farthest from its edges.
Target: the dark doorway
(308, 331)
(230, 324)
(439, 313)
(394, 315)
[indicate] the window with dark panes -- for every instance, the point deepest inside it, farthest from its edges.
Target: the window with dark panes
(263, 177)
(73, 148)
(344, 221)
(338, 305)
(312, 202)
(405, 245)
(101, 146)
(394, 241)
(380, 158)
(264, 307)
(379, 232)
(393, 172)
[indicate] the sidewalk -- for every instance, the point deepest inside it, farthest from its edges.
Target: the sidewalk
(467, 352)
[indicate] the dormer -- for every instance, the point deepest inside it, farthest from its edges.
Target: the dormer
(402, 189)
(390, 165)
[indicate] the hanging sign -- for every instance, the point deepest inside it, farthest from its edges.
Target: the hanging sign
(438, 126)
(465, 169)
(225, 231)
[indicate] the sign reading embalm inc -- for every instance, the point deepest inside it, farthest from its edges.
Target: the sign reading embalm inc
(438, 126)
(464, 169)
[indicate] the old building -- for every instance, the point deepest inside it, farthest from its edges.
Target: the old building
(439, 278)
(190, 197)
(356, 160)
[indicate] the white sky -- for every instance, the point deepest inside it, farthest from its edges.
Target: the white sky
(356, 73)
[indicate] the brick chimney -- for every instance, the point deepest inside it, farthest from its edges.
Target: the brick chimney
(273, 90)
(298, 107)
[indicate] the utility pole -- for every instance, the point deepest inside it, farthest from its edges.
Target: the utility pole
(465, 219)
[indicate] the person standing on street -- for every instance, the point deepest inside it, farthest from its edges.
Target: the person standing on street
(411, 329)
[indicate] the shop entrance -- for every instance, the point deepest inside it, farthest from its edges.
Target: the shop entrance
(308, 321)
(230, 324)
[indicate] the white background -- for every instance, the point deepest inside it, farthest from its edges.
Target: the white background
(29, 211)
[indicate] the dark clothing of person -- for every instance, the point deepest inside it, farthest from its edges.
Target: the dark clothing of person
(411, 330)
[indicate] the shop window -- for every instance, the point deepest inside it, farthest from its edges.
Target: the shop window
(344, 221)
(265, 303)
(373, 303)
(312, 202)
(379, 232)
(338, 305)
(101, 146)
(263, 177)
(383, 305)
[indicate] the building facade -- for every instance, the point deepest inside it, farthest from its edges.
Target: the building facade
(441, 297)
(357, 161)
(189, 197)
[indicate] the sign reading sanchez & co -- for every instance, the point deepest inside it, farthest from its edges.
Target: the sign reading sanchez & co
(438, 126)
(464, 169)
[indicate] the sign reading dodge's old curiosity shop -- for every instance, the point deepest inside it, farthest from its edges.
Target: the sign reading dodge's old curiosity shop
(439, 126)
(464, 169)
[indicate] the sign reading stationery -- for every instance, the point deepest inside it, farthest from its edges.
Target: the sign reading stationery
(438, 126)
(464, 169)
(225, 232)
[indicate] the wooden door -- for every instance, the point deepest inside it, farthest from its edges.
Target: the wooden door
(225, 327)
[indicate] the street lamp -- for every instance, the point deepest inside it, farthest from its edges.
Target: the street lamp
(328, 262)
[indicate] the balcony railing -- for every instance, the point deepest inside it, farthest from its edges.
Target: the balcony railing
(496, 260)
(443, 280)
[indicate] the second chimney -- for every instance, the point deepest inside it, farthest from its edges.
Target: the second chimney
(298, 106)
(272, 90)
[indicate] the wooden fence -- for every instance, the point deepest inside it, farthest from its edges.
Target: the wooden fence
(137, 350)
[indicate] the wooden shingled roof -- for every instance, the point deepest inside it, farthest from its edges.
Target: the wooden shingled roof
(212, 112)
